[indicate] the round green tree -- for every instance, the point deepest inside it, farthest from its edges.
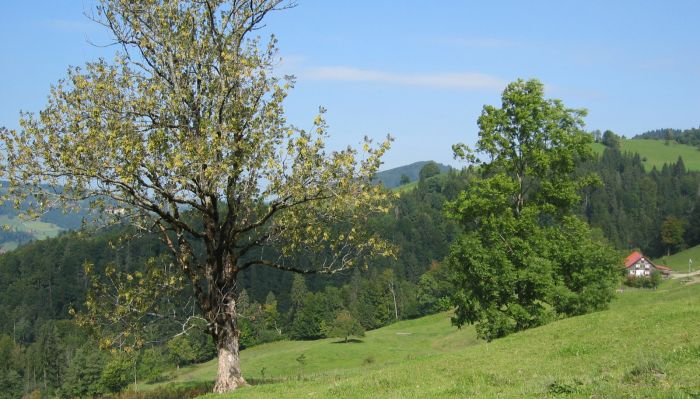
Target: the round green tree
(343, 326)
(524, 258)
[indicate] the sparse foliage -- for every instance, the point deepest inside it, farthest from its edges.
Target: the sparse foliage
(185, 131)
(344, 326)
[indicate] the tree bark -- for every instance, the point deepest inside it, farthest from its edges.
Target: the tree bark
(227, 336)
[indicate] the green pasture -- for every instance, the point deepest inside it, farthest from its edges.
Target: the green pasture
(646, 345)
(679, 261)
(658, 152)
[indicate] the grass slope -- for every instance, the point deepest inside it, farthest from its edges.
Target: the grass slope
(657, 153)
(679, 261)
(646, 345)
(406, 187)
(414, 184)
(391, 178)
(328, 358)
(36, 228)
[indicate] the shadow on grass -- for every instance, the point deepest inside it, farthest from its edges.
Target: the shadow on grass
(181, 391)
(268, 380)
(282, 380)
(349, 341)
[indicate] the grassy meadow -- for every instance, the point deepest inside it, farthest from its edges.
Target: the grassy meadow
(653, 153)
(36, 228)
(657, 152)
(406, 187)
(646, 345)
(281, 361)
(679, 261)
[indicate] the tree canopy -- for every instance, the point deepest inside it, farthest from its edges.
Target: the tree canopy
(524, 258)
(185, 133)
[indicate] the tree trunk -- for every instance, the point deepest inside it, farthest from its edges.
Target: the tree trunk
(393, 295)
(229, 376)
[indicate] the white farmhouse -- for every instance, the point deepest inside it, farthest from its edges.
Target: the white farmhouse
(638, 265)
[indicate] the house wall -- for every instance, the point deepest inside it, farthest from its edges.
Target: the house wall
(643, 268)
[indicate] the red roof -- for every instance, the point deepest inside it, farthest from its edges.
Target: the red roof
(633, 258)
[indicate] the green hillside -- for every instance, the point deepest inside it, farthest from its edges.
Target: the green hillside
(406, 340)
(653, 153)
(35, 228)
(410, 186)
(437, 180)
(391, 178)
(646, 345)
(657, 152)
(49, 224)
(679, 261)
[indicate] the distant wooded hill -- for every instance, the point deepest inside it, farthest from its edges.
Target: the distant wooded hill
(392, 177)
(17, 231)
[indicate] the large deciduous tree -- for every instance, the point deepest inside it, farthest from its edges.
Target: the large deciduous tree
(672, 231)
(524, 258)
(184, 133)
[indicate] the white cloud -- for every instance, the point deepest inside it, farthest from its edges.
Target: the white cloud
(460, 80)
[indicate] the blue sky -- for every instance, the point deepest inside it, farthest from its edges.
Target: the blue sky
(420, 70)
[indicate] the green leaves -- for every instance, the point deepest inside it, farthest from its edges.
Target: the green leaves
(343, 326)
(531, 140)
(184, 132)
(523, 259)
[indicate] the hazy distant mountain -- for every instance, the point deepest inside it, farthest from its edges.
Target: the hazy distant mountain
(391, 178)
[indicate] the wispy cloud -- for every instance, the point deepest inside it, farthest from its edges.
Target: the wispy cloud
(460, 81)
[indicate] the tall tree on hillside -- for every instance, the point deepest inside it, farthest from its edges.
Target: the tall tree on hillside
(343, 326)
(185, 132)
(52, 361)
(672, 231)
(693, 230)
(10, 378)
(524, 258)
(611, 140)
(430, 169)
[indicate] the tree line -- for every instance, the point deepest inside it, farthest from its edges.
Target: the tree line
(656, 211)
(682, 136)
